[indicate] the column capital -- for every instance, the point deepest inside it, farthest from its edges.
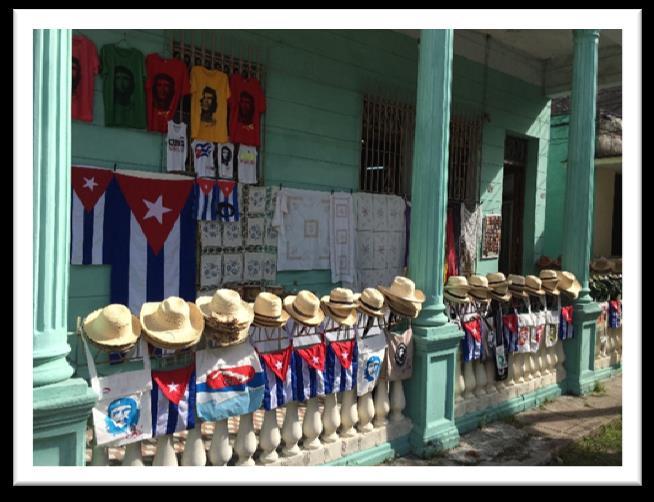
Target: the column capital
(586, 34)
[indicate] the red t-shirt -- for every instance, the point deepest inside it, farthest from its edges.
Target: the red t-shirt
(86, 65)
(246, 104)
(167, 80)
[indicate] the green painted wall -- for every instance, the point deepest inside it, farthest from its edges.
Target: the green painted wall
(314, 84)
(556, 175)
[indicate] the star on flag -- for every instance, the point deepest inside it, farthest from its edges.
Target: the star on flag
(172, 387)
(156, 209)
(90, 183)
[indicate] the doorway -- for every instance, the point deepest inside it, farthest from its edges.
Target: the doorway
(513, 203)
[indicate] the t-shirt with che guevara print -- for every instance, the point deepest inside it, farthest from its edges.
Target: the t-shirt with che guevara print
(123, 74)
(86, 65)
(168, 80)
(209, 95)
(246, 105)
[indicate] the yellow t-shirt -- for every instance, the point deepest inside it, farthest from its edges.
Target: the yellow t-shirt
(209, 95)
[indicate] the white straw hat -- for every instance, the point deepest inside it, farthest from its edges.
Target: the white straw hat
(172, 323)
(112, 326)
(370, 301)
(268, 311)
(403, 288)
(569, 284)
(305, 308)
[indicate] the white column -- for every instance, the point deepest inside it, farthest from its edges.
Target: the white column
(366, 411)
(349, 415)
(165, 455)
(220, 451)
(311, 425)
(459, 388)
(246, 440)
(269, 437)
(194, 452)
(560, 370)
(331, 419)
(133, 456)
(291, 430)
(100, 456)
(470, 403)
(491, 384)
(382, 403)
(398, 401)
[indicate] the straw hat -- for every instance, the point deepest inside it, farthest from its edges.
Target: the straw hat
(113, 326)
(616, 265)
(533, 286)
(227, 317)
(549, 280)
(601, 265)
(305, 308)
(268, 311)
(370, 302)
(517, 286)
(479, 289)
(339, 299)
(456, 289)
(173, 323)
(403, 288)
(407, 309)
(569, 284)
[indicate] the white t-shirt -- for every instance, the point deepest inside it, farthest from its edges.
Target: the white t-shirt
(247, 164)
(176, 146)
(203, 159)
(225, 154)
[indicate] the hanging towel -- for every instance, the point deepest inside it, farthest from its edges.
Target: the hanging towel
(341, 231)
(470, 236)
(452, 268)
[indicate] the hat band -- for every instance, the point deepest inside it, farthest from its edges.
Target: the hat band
(490, 283)
(456, 296)
(342, 302)
(368, 305)
(268, 317)
(298, 311)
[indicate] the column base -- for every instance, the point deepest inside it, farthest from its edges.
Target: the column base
(430, 390)
(580, 351)
(60, 414)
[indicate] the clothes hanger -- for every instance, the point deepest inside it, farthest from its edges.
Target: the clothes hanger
(123, 41)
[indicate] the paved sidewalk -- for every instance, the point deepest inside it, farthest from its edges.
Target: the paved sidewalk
(535, 436)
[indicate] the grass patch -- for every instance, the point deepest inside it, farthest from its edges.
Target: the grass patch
(599, 388)
(604, 447)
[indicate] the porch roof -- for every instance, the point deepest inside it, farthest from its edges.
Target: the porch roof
(540, 57)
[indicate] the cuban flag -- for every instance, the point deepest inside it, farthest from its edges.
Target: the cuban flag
(227, 207)
(173, 401)
(341, 366)
(510, 332)
(615, 314)
(308, 371)
(566, 327)
(278, 387)
(153, 233)
(230, 382)
(205, 196)
(88, 224)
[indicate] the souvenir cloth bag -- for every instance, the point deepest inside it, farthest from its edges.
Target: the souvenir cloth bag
(173, 400)
(538, 329)
(399, 359)
(601, 323)
(371, 347)
(122, 413)
(510, 330)
(566, 329)
(498, 345)
(552, 327)
(230, 382)
(340, 358)
(525, 326)
(275, 353)
(615, 314)
(471, 345)
(307, 360)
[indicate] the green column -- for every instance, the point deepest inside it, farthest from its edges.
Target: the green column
(577, 227)
(430, 391)
(61, 404)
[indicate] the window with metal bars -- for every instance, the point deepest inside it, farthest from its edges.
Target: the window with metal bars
(386, 146)
(464, 166)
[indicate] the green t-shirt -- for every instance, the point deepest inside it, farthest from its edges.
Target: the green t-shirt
(123, 74)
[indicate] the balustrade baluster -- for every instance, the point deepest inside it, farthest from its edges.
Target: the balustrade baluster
(311, 425)
(269, 438)
(165, 455)
(382, 403)
(349, 415)
(366, 411)
(398, 401)
(246, 440)
(220, 450)
(291, 430)
(331, 419)
(194, 452)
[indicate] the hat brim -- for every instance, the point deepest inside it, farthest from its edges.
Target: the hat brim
(506, 297)
(309, 321)
(535, 292)
(366, 310)
(518, 293)
(270, 322)
(338, 306)
(222, 339)
(573, 290)
(553, 292)
(479, 293)
(127, 339)
(404, 308)
(244, 315)
(183, 337)
(419, 296)
(347, 320)
(455, 299)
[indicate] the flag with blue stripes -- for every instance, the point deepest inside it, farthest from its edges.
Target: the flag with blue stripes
(341, 366)
(227, 206)
(153, 238)
(230, 382)
(173, 401)
(278, 387)
(308, 371)
(205, 195)
(88, 245)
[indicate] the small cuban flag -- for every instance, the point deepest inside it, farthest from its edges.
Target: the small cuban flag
(227, 206)
(278, 384)
(88, 245)
(230, 382)
(341, 366)
(308, 368)
(173, 401)
(206, 197)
